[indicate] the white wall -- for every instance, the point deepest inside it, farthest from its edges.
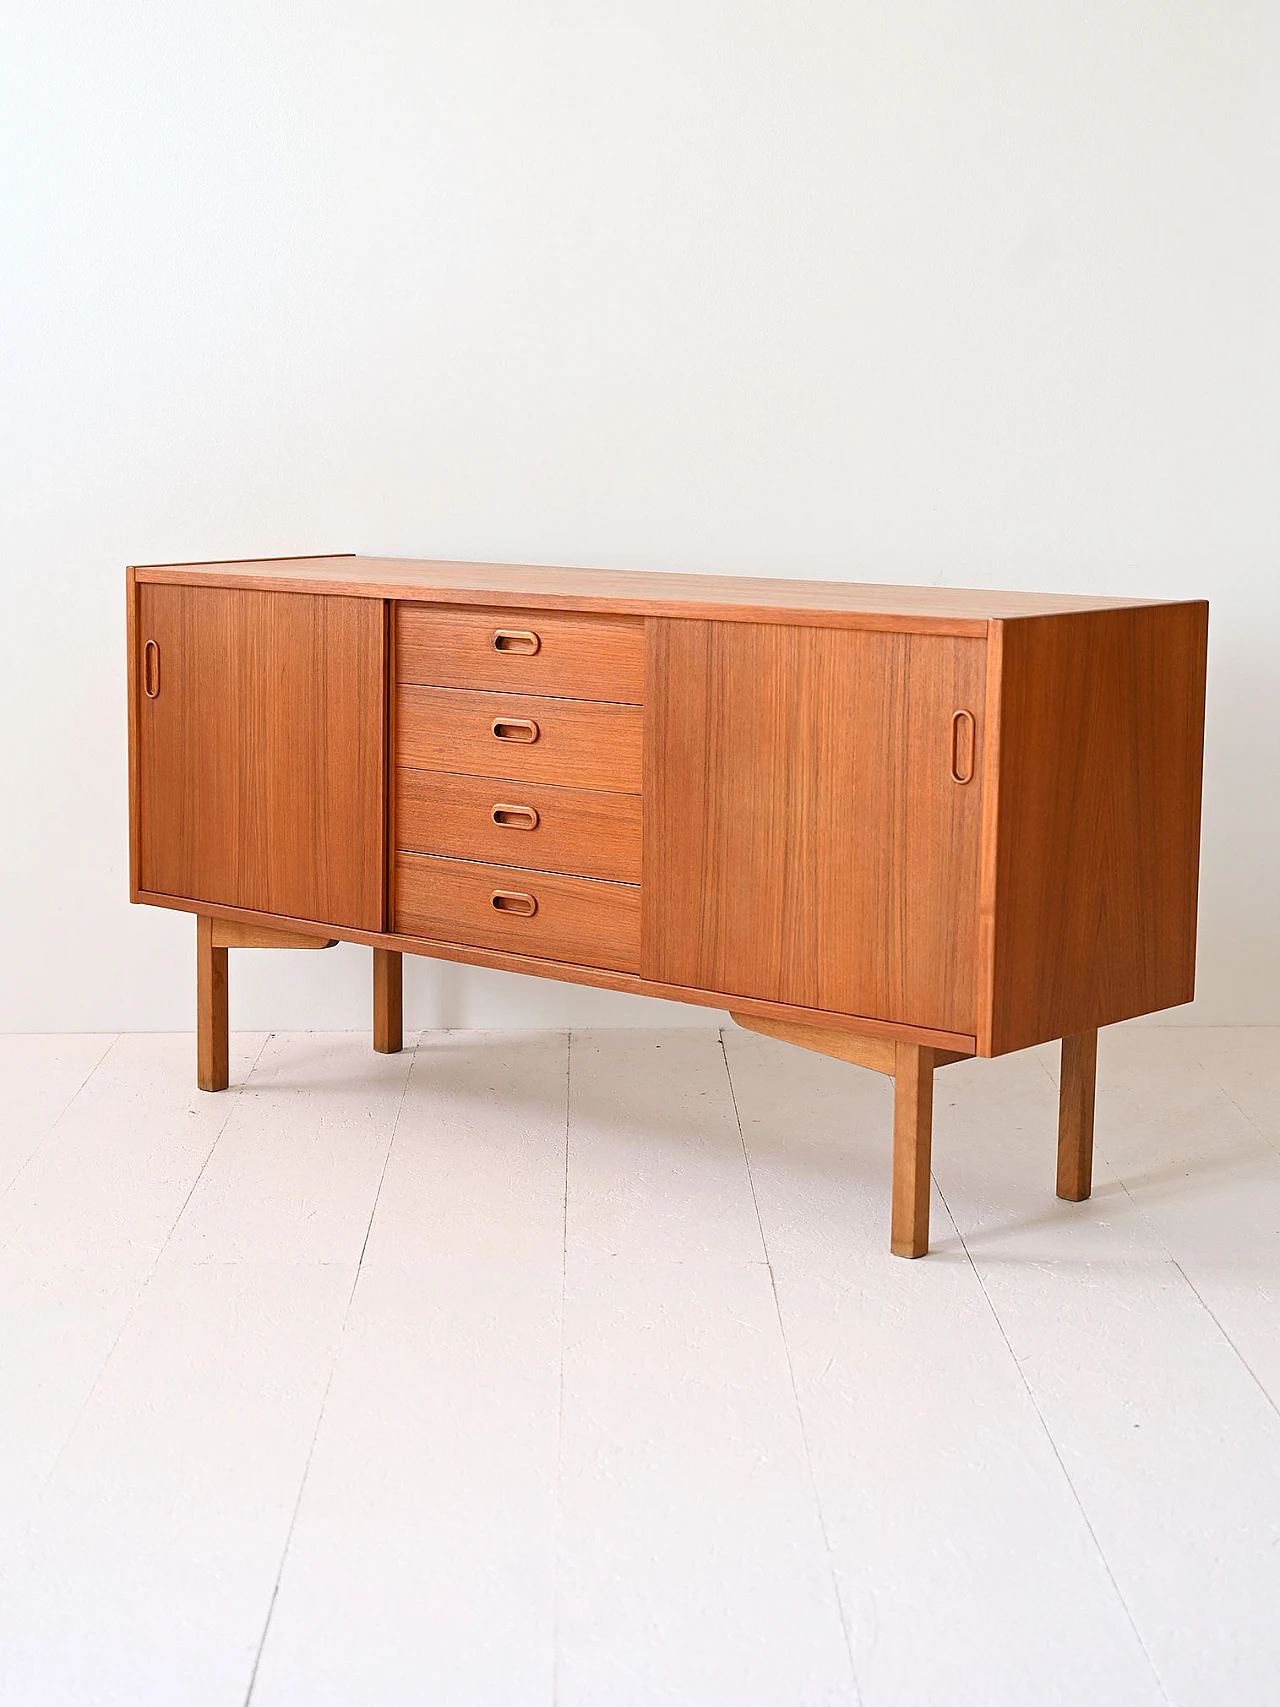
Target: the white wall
(980, 293)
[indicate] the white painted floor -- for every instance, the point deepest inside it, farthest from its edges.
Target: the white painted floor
(525, 1368)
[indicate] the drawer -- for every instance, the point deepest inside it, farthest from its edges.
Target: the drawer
(576, 743)
(572, 919)
(576, 830)
(544, 652)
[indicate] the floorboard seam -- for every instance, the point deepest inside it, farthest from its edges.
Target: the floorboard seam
(795, 1391)
(58, 1119)
(1194, 1289)
(564, 1286)
(138, 1296)
(1053, 1447)
(218, 1137)
(1160, 1240)
(1244, 1114)
(328, 1385)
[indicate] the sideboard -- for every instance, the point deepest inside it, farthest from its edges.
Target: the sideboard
(898, 825)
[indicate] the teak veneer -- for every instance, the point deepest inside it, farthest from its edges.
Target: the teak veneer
(901, 826)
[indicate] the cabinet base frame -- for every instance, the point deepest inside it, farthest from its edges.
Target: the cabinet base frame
(953, 1042)
(911, 1067)
(214, 936)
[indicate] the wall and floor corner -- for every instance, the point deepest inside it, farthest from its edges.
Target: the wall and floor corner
(970, 298)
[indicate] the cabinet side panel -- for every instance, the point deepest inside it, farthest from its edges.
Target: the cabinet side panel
(805, 841)
(990, 836)
(390, 832)
(132, 662)
(1098, 834)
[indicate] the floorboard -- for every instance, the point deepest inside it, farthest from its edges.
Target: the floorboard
(421, 1568)
(693, 1565)
(966, 1566)
(39, 1079)
(555, 1370)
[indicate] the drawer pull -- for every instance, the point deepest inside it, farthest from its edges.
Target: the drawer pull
(515, 729)
(513, 901)
(515, 817)
(962, 746)
(522, 641)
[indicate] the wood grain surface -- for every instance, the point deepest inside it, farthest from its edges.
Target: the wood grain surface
(744, 598)
(388, 1001)
(576, 919)
(912, 1150)
(804, 839)
(579, 744)
(213, 1039)
(228, 933)
(578, 657)
(584, 832)
(260, 763)
(877, 1054)
(1076, 1092)
(1096, 842)
(133, 663)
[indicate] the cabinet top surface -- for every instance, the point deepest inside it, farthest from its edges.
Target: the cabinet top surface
(631, 592)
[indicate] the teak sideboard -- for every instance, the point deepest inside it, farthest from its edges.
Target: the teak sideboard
(897, 825)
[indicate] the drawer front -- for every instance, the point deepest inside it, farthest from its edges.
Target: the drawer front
(520, 737)
(570, 919)
(575, 830)
(543, 652)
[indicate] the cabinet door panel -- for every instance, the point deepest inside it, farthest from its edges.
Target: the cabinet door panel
(805, 838)
(260, 758)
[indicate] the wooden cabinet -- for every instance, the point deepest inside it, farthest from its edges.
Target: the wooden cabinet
(897, 825)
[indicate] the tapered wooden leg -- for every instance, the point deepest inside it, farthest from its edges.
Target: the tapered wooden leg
(912, 1144)
(1075, 1115)
(388, 989)
(212, 1072)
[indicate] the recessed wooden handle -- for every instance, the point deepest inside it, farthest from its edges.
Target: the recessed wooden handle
(963, 743)
(151, 669)
(514, 901)
(515, 817)
(522, 641)
(515, 729)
